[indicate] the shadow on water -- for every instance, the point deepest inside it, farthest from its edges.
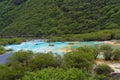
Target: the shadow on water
(3, 57)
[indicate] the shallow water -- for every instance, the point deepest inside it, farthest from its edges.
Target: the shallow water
(44, 47)
(38, 46)
(3, 58)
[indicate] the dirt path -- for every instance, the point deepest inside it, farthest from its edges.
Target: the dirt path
(113, 64)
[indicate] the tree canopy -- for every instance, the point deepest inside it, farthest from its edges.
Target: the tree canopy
(57, 17)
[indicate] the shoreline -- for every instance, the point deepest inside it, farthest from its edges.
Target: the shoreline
(64, 50)
(115, 65)
(112, 43)
(68, 49)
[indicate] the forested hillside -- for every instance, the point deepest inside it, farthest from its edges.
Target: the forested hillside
(57, 17)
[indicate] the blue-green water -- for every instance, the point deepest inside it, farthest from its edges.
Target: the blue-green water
(44, 47)
(38, 46)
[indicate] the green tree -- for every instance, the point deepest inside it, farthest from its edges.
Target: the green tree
(42, 60)
(82, 58)
(103, 70)
(96, 51)
(9, 73)
(99, 77)
(20, 58)
(76, 74)
(107, 49)
(57, 74)
(2, 50)
(57, 17)
(116, 54)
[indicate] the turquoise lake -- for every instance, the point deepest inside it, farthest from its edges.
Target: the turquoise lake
(38, 46)
(44, 47)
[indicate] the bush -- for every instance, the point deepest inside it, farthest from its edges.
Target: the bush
(103, 70)
(96, 51)
(2, 50)
(42, 60)
(99, 77)
(9, 73)
(57, 74)
(20, 58)
(7, 41)
(82, 58)
(116, 54)
(107, 51)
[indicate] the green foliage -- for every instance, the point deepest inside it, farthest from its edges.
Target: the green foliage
(99, 77)
(46, 74)
(107, 49)
(75, 65)
(116, 54)
(7, 41)
(93, 36)
(76, 74)
(20, 59)
(96, 50)
(42, 61)
(9, 73)
(82, 58)
(57, 74)
(57, 17)
(103, 70)
(2, 50)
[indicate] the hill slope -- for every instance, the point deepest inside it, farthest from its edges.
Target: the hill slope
(57, 17)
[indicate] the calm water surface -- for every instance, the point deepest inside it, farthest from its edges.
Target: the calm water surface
(43, 47)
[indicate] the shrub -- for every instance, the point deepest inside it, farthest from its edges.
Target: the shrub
(103, 70)
(107, 51)
(21, 58)
(56, 74)
(99, 77)
(116, 54)
(82, 58)
(2, 50)
(9, 73)
(42, 60)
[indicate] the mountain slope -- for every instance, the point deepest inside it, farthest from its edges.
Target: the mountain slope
(57, 17)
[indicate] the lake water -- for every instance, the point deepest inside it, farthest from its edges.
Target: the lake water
(44, 47)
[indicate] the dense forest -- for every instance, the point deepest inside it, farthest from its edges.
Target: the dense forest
(57, 17)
